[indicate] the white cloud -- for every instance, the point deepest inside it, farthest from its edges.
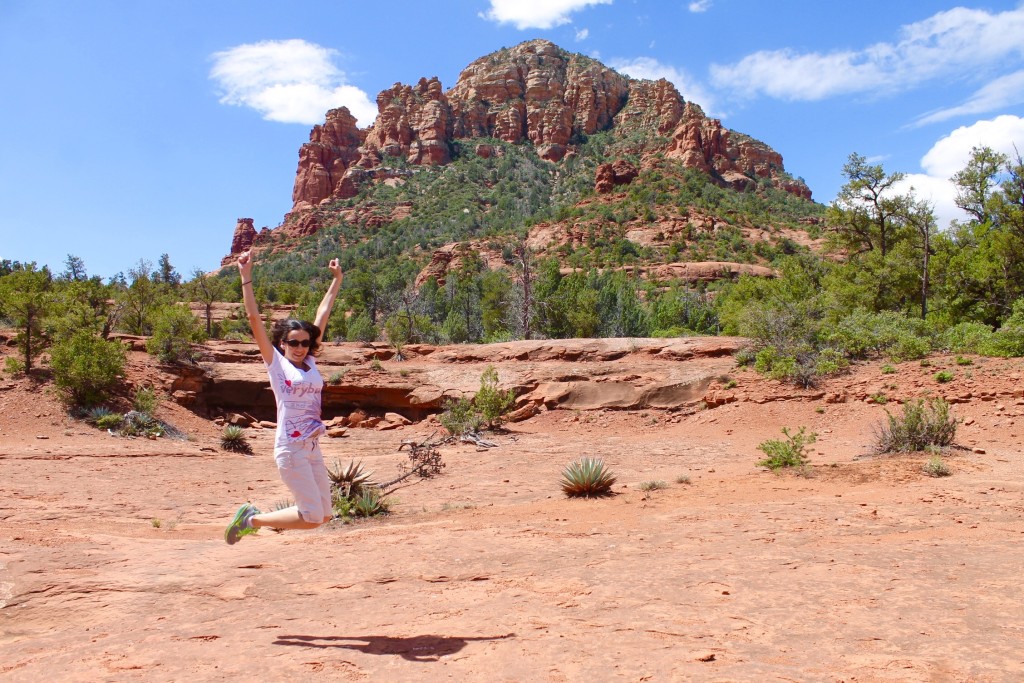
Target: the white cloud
(648, 68)
(290, 81)
(1005, 91)
(953, 42)
(698, 6)
(582, 34)
(950, 154)
(541, 14)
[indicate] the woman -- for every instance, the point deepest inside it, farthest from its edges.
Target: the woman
(297, 387)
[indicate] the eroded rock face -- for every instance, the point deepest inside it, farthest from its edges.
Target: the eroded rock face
(538, 92)
(244, 239)
(332, 148)
(619, 172)
(535, 92)
(547, 374)
(653, 105)
(413, 122)
(244, 236)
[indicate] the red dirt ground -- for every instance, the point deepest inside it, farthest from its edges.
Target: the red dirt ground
(113, 564)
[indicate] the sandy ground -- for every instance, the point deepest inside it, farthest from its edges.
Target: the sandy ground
(113, 565)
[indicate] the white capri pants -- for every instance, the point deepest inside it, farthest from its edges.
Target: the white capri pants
(302, 469)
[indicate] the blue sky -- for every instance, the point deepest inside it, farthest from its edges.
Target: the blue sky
(133, 129)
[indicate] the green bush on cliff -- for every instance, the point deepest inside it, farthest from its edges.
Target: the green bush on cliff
(175, 329)
(87, 367)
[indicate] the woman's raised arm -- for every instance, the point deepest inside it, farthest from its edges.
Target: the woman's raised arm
(252, 311)
(323, 313)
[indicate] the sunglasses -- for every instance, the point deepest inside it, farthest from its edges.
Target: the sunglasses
(304, 343)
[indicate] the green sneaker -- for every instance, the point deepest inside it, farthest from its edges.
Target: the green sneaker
(240, 525)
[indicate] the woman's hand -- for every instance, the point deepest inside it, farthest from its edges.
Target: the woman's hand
(245, 266)
(335, 268)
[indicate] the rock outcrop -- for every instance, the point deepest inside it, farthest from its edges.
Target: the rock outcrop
(534, 92)
(546, 374)
(333, 147)
(619, 172)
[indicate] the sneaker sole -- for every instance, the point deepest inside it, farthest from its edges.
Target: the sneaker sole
(235, 524)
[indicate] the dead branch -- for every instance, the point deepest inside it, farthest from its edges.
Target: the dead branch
(424, 460)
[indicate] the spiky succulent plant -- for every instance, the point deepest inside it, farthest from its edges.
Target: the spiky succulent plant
(370, 502)
(233, 439)
(587, 478)
(350, 480)
(94, 415)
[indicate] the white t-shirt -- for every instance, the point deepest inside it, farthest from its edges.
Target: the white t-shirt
(297, 393)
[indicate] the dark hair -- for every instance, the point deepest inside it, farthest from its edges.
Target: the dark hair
(283, 327)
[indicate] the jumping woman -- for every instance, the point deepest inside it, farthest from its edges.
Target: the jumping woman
(297, 386)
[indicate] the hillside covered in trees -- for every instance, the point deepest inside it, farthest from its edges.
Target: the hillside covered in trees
(582, 204)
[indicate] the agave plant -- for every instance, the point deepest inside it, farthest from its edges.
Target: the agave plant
(233, 439)
(94, 415)
(351, 480)
(587, 478)
(370, 503)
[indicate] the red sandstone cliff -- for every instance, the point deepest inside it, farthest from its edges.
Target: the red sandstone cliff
(533, 92)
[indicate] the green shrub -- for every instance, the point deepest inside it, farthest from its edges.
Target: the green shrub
(175, 329)
(459, 417)
(921, 425)
(94, 415)
(888, 369)
(960, 360)
(146, 400)
(935, 467)
(110, 421)
(336, 377)
(491, 402)
(86, 367)
(360, 328)
(943, 376)
(791, 452)
(587, 478)
(13, 366)
(969, 337)
(233, 439)
(863, 334)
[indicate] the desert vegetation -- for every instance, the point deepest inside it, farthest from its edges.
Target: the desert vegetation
(882, 280)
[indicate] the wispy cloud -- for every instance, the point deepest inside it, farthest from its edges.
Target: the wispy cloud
(698, 6)
(289, 81)
(541, 14)
(950, 43)
(951, 154)
(1005, 91)
(647, 67)
(582, 34)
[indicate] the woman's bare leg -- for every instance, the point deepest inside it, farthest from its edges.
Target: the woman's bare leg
(288, 518)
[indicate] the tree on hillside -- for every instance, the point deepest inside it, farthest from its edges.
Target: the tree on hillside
(207, 290)
(26, 296)
(140, 298)
(920, 216)
(865, 216)
(983, 266)
(74, 269)
(165, 272)
(521, 306)
(977, 183)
